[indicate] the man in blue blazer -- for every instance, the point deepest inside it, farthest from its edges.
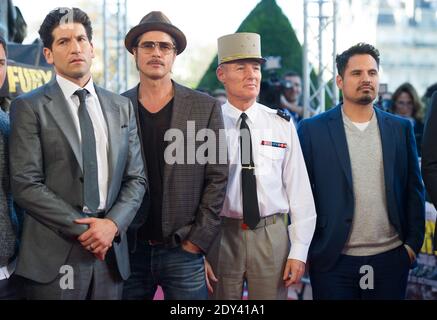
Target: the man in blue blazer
(364, 172)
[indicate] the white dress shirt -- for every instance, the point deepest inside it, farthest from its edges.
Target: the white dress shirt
(99, 125)
(281, 177)
(7, 271)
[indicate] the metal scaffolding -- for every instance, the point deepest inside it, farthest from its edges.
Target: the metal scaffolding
(115, 56)
(320, 25)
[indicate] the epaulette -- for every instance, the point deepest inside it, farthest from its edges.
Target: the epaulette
(283, 114)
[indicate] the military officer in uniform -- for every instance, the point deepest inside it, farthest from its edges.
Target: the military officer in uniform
(268, 186)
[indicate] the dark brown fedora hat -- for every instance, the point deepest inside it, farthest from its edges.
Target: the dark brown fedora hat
(155, 21)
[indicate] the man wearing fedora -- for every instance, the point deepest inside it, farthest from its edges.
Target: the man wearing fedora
(179, 219)
(268, 182)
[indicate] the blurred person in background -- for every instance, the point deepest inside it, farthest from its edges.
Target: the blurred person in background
(406, 103)
(385, 101)
(220, 95)
(291, 94)
(426, 99)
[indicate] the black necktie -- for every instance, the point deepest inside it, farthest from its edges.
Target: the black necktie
(248, 179)
(91, 196)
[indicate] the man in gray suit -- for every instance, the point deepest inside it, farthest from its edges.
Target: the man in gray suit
(76, 169)
(178, 222)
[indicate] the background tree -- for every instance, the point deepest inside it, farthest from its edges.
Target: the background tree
(277, 39)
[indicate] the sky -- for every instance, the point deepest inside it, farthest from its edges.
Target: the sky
(202, 21)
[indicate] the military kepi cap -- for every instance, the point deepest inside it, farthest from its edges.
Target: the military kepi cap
(239, 46)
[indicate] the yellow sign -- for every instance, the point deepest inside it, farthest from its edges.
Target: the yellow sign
(23, 79)
(427, 247)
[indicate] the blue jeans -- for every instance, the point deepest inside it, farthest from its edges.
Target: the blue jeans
(181, 274)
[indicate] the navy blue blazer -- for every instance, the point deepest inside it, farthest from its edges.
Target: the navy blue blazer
(324, 145)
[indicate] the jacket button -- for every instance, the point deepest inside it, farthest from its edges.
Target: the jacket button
(81, 179)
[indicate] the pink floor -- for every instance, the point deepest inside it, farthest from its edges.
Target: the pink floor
(292, 293)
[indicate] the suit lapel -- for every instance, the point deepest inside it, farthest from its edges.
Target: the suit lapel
(59, 109)
(181, 109)
(132, 94)
(111, 113)
(180, 114)
(338, 136)
(388, 146)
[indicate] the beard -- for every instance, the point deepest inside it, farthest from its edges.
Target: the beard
(365, 100)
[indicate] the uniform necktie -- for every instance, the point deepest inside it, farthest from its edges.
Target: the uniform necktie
(91, 186)
(248, 180)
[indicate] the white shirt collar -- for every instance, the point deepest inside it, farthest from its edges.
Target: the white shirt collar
(69, 88)
(234, 113)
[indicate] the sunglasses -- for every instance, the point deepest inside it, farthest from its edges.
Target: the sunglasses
(164, 47)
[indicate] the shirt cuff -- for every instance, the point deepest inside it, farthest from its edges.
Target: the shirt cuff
(298, 251)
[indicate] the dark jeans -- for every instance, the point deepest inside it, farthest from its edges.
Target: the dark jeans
(181, 274)
(344, 281)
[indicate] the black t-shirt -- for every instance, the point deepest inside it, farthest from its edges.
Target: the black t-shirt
(153, 127)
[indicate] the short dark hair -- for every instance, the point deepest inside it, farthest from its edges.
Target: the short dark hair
(291, 73)
(360, 48)
(3, 43)
(54, 18)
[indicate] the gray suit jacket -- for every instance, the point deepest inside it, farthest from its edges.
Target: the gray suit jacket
(47, 181)
(193, 193)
